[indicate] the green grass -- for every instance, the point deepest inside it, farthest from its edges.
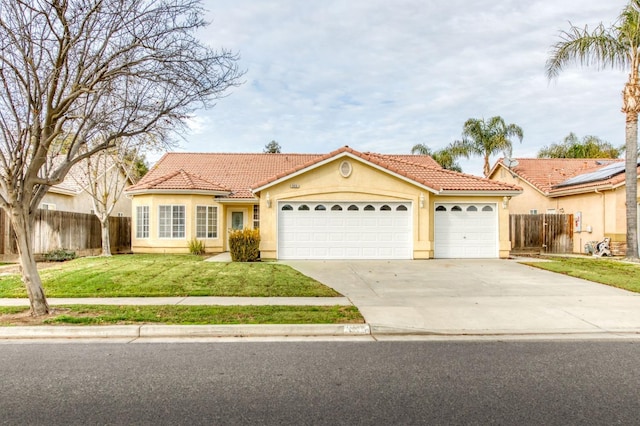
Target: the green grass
(611, 272)
(143, 275)
(189, 315)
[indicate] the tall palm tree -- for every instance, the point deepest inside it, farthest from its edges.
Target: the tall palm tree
(615, 47)
(446, 157)
(486, 138)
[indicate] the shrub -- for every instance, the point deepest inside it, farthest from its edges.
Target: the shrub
(244, 245)
(196, 247)
(59, 255)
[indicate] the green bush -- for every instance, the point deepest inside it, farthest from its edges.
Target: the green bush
(244, 245)
(60, 255)
(196, 247)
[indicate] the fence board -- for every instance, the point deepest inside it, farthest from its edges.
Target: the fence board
(546, 233)
(54, 229)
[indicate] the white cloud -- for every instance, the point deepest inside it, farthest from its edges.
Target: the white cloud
(383, 76)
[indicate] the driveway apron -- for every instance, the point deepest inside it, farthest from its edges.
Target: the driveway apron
(475, 297)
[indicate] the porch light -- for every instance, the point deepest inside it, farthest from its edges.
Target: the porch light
(268, 200)
(505, 202)
(421, 201)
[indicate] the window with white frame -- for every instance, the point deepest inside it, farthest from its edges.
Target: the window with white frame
(142, 221)
(206, 222)
(256, 216)
(171, 221)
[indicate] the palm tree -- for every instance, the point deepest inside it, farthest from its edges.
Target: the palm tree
(486, 138)
(446, 157)
(615, 47)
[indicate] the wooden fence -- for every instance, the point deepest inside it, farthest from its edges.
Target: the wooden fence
(54, 229)
(541, 233)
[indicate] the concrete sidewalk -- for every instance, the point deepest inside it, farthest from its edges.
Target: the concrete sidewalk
(189, 300)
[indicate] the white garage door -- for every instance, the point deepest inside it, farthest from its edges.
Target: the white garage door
(466, 230)
(344, 230)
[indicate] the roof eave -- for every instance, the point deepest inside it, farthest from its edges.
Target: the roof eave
(477, 193)
(63, 191)
(252, 200)
(177, 191)
(584, 190)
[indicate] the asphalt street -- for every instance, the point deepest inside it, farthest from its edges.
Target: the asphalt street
(367, 383)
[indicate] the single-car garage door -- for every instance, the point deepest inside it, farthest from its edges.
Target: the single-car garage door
(466, 230)
(345, 230)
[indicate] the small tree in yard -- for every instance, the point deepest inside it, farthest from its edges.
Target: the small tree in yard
(104, 177)
(78, 77)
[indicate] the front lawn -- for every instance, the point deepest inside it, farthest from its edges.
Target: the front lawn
(183, 315)
(154, 275)
(611, 272)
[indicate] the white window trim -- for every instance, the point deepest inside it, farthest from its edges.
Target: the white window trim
(142, 226)
(184, 230)
(215, 230)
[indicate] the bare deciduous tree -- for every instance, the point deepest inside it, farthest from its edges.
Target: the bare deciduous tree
(77, 76)
(104, 177)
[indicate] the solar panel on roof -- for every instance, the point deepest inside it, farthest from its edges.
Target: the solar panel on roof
(600, 174)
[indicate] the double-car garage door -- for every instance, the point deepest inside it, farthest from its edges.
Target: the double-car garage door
(345, 230)
(383, 230)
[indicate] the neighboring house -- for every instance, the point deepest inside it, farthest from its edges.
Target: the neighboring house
(71, 196)
(342, 205)
(593, 190)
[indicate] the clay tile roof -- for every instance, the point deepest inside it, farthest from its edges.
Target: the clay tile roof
(229, 172)
(179, 179)
(238, 174)
(545, 173)
(437, 178)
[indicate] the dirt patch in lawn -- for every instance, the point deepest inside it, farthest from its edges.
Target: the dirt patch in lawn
(25, 318)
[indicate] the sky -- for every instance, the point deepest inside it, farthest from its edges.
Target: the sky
(384, 75)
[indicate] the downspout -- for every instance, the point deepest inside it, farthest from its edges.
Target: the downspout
(604, 212)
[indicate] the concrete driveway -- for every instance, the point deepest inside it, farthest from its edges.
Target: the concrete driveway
(475, 297)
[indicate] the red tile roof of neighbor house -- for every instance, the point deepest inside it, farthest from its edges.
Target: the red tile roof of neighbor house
(240, 173)
(546, 173)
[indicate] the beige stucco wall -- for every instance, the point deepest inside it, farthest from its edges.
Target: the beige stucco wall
(83, 203)
(530, 199)
(365, 183)
(154, 244)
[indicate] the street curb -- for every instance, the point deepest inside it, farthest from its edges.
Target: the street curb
(164, 331)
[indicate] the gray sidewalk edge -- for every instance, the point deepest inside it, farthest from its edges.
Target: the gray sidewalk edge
(144, 331)
(151, 331)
